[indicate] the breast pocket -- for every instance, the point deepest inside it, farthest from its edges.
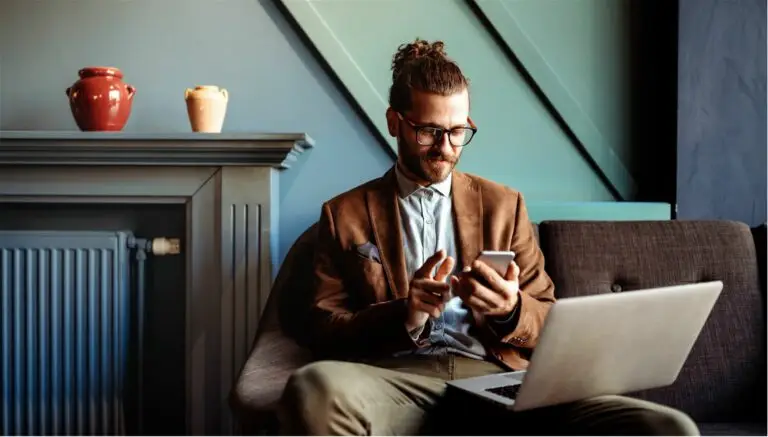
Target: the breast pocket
(368, 279)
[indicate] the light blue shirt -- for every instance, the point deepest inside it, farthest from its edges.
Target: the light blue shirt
(426, 219)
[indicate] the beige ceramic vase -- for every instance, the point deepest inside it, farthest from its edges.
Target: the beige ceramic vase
(206, 107)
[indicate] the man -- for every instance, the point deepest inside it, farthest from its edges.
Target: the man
(401, 304)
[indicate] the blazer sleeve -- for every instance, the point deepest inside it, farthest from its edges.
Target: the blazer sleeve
(537, 291)
(340, 326)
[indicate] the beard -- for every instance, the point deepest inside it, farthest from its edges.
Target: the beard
(432, 166)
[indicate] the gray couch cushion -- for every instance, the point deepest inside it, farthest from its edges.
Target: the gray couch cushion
(723, 378)
(732, 429)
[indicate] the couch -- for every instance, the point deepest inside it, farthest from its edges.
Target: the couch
(723, 383)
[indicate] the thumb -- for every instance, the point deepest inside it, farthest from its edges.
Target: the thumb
(445, 269)
(513, 272)
(425, 271)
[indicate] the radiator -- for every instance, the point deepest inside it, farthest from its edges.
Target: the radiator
(70, 306)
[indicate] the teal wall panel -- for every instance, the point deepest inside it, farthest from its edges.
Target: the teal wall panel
(576, 52)
(519, 143)
(586, 45)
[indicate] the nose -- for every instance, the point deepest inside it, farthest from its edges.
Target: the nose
(444, 145)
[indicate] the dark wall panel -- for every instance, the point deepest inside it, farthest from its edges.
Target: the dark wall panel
(721, 154)
(653, 55)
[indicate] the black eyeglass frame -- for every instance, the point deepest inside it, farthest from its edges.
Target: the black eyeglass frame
(440, 131)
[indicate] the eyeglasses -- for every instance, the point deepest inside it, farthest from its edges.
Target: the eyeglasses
(430, 135)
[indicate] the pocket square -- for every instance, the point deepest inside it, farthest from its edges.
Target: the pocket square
(368, 251)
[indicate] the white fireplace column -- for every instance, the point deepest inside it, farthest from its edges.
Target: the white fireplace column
(228, 184)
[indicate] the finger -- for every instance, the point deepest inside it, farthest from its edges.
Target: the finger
(456, 286)
(431, 286)
(432, 310)
(513, 272)
(425, 271)
(445, 269)
(486, 273)
(480, 291)
(454, 282)
(478, 304)
(461, 285)
(427, 298)
(437, 290)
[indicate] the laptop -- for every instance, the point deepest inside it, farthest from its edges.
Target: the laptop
(606, 344)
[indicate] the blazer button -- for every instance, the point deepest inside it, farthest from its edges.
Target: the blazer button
(615, 288)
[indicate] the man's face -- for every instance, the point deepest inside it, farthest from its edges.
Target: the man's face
(429, 164)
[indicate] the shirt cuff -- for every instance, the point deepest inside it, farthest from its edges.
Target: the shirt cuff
(420, 335)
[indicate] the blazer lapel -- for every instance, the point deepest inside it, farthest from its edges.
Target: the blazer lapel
(384, 213)
(468, 210)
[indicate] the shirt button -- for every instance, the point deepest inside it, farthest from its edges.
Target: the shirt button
(429, 221)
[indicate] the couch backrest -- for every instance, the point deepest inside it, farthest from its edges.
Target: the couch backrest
(759, 235)
(290, 297)
(724, 376)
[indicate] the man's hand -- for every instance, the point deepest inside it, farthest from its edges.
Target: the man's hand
(426, 296)
(485, 291)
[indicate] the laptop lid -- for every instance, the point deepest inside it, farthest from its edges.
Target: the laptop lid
(615, 343)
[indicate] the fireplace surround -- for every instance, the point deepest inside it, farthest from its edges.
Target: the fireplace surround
(219, 193)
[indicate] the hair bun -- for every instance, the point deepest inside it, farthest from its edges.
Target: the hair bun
(419, 49)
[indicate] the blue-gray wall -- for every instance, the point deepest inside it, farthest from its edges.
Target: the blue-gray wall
(721, 155)
(164, 46)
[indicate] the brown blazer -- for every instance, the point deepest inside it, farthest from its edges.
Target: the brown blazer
(359, 306)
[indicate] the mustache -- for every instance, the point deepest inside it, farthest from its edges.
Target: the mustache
(437, 156)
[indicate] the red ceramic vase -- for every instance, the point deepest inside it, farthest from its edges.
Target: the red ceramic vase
(100, 100)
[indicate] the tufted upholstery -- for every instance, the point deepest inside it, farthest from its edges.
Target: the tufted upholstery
(723, 380)
(719, 381)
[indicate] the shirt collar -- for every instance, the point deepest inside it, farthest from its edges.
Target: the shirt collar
(406, 187)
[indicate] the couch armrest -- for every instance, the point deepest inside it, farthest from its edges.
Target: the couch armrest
(268, 368)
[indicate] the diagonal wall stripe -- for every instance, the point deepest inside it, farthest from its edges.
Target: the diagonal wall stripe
(524, 144)
(341, 61)
(578, 122)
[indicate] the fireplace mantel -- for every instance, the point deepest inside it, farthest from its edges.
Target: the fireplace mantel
(131, 149)
(228, 185)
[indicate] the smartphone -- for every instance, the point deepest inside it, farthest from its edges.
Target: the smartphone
(499, 260)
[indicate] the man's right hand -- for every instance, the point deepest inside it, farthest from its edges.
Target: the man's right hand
(426, 296)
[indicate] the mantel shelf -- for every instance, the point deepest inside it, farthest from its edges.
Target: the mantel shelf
(139, 149)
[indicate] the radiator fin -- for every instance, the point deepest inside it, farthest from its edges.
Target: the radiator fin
(64, 332)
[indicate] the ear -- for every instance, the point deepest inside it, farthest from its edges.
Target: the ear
(393, 122)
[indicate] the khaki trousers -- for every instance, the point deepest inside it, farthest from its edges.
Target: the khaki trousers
(407, 396)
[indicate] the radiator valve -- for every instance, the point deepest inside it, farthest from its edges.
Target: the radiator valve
(166, 246)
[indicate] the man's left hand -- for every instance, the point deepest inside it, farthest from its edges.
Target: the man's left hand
(487, 292)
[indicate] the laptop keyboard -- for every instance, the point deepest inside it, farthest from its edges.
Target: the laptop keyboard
(508, 391)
